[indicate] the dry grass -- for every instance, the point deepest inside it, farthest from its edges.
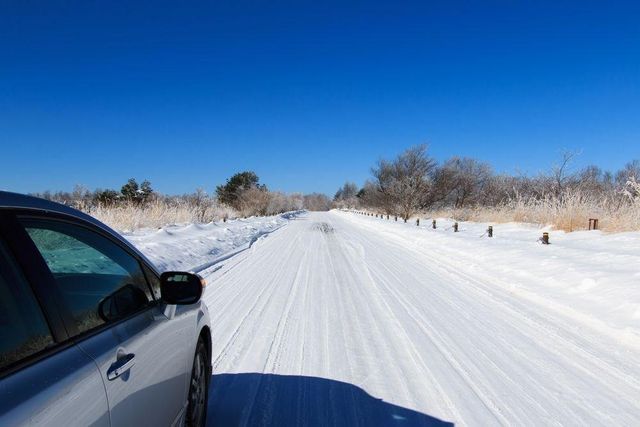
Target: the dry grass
(158, 213)
(570, 212)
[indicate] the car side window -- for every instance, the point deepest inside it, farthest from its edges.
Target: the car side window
(99, 281)
(23, 329)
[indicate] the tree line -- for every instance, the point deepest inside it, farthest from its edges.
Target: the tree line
(414, 181)
(242, 192)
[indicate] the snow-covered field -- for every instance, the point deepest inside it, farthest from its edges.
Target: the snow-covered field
(341, 319)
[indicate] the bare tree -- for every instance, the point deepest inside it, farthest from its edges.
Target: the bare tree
(317, 202)
(346, 196)
(254, 201)
(630, 170)
(461, 181)
(406, 181)
(561, 176)
(371, 197)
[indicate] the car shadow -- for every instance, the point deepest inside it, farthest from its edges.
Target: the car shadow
(254, 399)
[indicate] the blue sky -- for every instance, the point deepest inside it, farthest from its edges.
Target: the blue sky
(308, 94)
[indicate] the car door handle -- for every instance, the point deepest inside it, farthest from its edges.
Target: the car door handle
(121, 366)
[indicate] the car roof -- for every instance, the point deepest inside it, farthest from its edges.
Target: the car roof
(22, 201)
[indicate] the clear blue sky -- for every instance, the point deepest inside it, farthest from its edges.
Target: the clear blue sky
(308, 94)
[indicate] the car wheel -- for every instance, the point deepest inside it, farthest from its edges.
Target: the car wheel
(198, 388)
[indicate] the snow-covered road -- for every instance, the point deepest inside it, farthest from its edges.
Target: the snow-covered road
(332, 321)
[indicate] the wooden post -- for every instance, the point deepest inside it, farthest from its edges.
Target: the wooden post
(490, 231)
(455, 227)
(545, 238)
(433, 224)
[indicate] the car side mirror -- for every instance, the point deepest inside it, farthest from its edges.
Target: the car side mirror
(179, 287)
(124, 301)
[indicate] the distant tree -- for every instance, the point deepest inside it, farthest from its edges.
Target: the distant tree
(254, 201)
(199, 202)
(630, 170)
(346, 196)
(561, 176)
(406, 180)
(461, 181)
(132, 192)
(129, 191)
(105, 197)
(317, 202)
(371, 197)
(230, 193)
(145, 192)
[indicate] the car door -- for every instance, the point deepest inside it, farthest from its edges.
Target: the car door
(117, 320)
(44, 378)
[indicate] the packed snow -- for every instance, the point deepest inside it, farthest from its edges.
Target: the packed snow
(342, 319)
(195, 247)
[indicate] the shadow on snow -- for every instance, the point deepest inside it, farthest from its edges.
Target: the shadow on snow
(288, 400)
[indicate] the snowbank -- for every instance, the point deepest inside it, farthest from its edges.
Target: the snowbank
(195, 247)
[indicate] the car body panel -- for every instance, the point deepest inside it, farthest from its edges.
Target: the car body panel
(159, 346)
(62, 389)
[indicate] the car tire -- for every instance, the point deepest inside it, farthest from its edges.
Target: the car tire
(198, 388)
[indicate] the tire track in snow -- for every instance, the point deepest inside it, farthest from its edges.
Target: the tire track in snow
(449, 272)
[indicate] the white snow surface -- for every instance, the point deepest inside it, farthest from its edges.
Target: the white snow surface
(342, 319)
(193, 247)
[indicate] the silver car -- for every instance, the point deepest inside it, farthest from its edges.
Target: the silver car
(90, 332)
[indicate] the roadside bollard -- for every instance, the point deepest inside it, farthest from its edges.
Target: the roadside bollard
(433, 224)
(490, 231)
(418, 222)
(545, 238)
(455, 227)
